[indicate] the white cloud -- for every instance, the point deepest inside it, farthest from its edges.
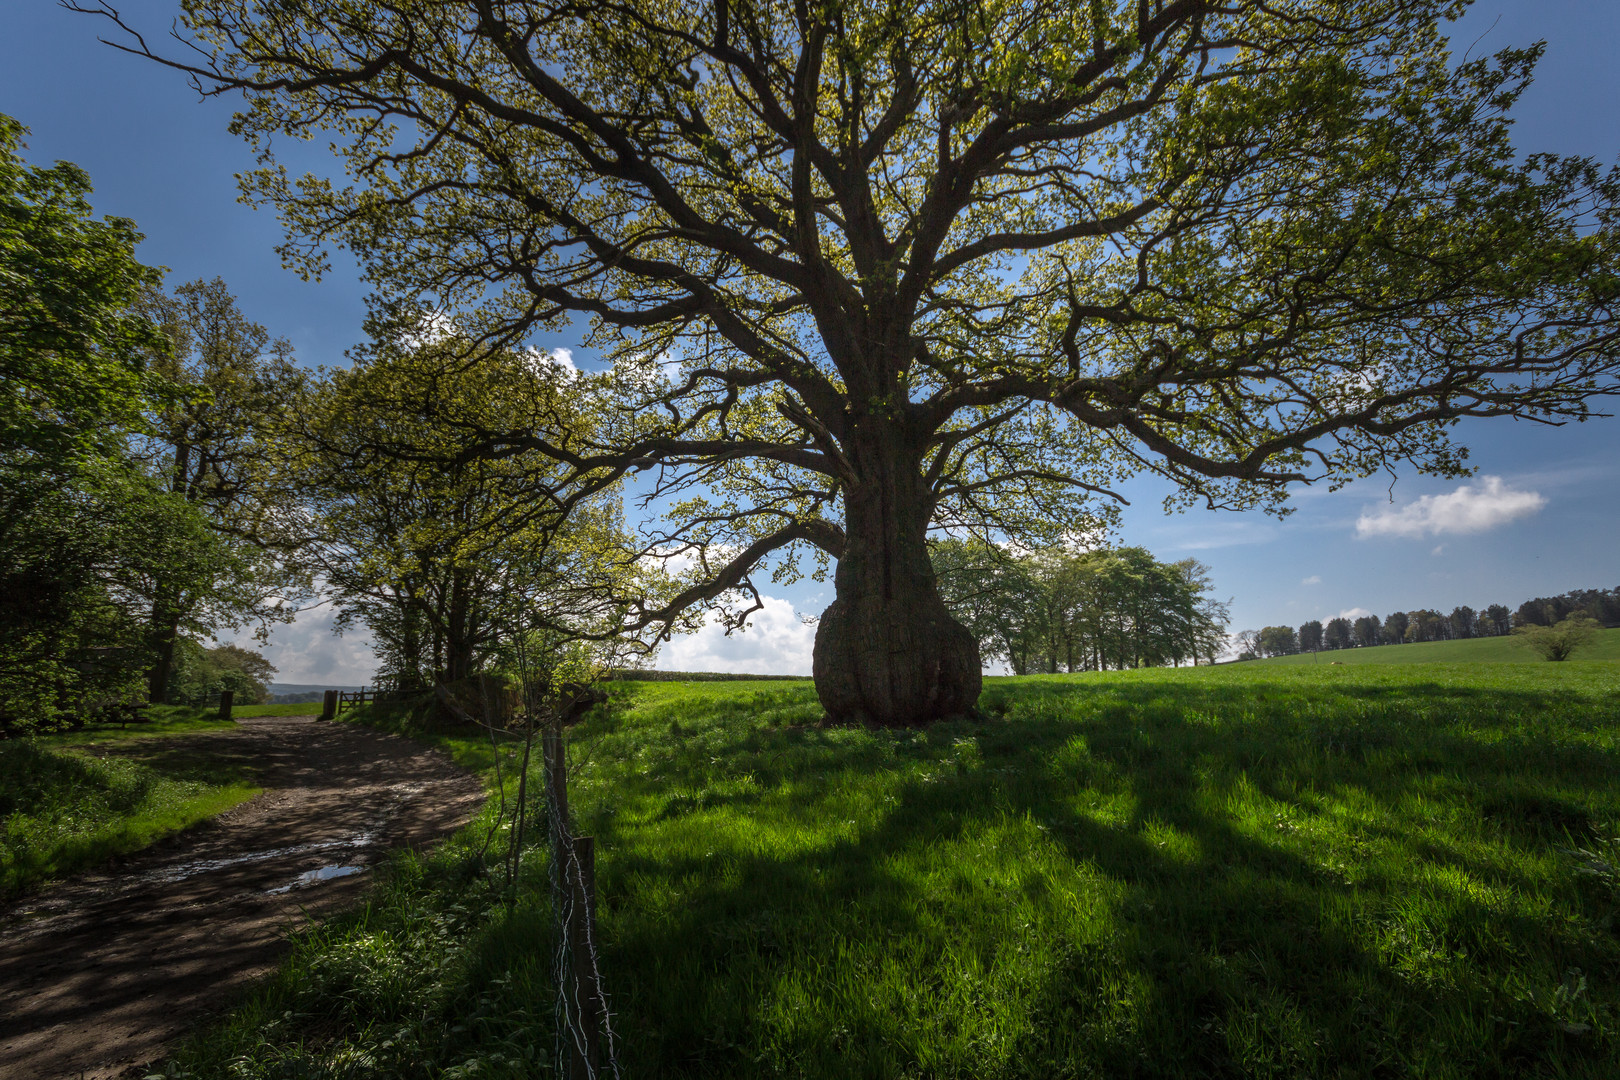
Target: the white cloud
(306, 652)
(1438, 549)
(1350, 613)
(774, 643)
(1471, 508)
(564, 358)
(1314, 579)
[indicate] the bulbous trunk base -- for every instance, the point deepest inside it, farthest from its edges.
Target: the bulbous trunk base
(900, 662)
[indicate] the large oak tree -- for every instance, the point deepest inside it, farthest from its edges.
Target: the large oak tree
(872, 267)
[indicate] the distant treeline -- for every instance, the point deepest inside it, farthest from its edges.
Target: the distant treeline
(1403, 627)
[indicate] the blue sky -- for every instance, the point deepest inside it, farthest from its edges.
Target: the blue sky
(1542, 516)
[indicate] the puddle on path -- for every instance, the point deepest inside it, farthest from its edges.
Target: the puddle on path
(315, 877)
(185, 870)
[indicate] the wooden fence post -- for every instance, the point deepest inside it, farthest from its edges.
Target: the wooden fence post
(582, 956)
(225, 699)
(329, 705)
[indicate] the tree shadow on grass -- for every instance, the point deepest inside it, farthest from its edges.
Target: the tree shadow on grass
(1216, 948)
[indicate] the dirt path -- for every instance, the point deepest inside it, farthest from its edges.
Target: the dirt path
(99, 974)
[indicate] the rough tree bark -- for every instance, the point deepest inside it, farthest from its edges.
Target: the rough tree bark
(887, 650)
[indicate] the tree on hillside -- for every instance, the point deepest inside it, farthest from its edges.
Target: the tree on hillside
(214, 446)
(1310, 636)
(996, 597)
(200, 674)
(1498, 619)
(1247, 644)
(1464, 622)
(1368, 631)
(1338, 634)
(1060, 610)
(1395, 627)
(868, 268)
(1561, 640)
(1427, 624)
(1278, 641)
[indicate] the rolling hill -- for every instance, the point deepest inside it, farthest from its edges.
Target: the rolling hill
(1491, 650)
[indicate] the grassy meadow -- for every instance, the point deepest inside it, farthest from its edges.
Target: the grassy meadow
(1605, 645)
(72, 801)
(1243, 871)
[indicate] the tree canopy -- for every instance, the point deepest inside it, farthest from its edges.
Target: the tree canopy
(866, 268)
(74, 348)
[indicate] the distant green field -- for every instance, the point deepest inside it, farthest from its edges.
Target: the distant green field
(1491, 650)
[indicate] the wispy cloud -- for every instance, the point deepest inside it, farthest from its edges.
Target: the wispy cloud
(1314, 579)
(1472, 508)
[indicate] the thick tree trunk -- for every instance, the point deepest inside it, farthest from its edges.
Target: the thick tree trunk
(162, 631)
(888, 651)
(459, 629)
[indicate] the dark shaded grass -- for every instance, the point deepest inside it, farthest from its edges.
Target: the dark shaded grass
(62, 810)
(1220, 872)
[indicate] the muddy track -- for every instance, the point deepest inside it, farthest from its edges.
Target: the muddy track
(99, 974)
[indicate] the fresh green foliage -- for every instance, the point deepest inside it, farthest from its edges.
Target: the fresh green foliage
(79, 557)
(88, 542)
(199, 674)
(1061, 610)
(65, 809)
(214, 447)
(73, 351)
(1561, 640)
(445, 566)
(1605, 645)
(1244, 870)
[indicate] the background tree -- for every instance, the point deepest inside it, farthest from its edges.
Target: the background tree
(1310, 636)
(1247, 644)
(1561, 640)
(1061, 610)
(1395, 626)
(1338, 634)
(1367, 631)
(995, 596)
(1278, 641)
(214, 445)
(199, 674)
(1464, 622)
(83, 531)
(444, 566)
(1499, 619)
(943, 264)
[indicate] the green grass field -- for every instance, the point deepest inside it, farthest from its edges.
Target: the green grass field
(1243, 871)
(1605, 645)
(70, 802)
